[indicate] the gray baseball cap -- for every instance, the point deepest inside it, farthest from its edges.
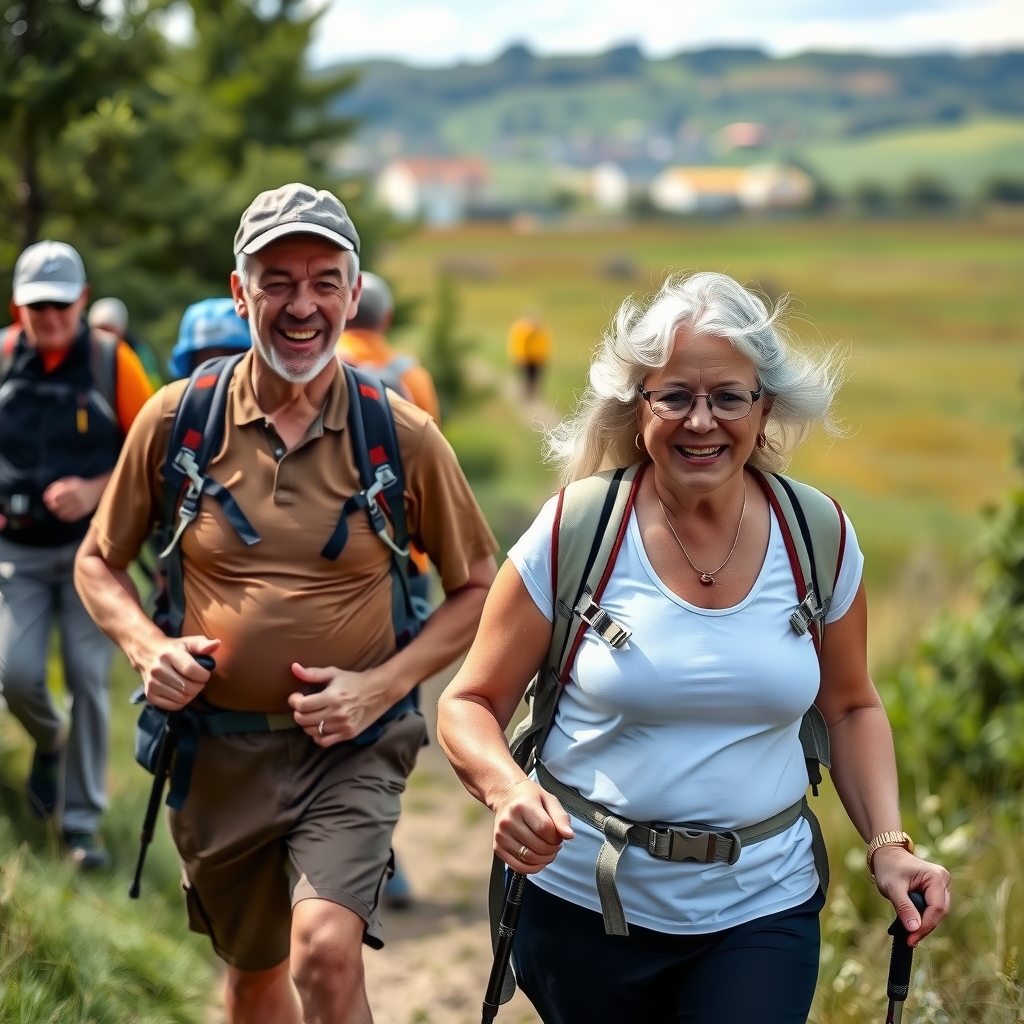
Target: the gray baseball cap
(48, 272)
(295, 209)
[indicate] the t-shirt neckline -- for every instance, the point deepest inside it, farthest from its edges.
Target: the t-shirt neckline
(766, 566)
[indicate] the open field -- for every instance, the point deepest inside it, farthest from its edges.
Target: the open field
(931, 313)
(933, 317)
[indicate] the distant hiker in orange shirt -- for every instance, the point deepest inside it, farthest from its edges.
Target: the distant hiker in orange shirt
(529, 348)
(364, 344)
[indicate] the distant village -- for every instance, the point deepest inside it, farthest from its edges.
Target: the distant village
(447, 190)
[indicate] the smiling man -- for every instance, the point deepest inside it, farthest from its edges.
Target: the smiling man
(285, 832)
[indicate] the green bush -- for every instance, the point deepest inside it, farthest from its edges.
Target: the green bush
(958, 708)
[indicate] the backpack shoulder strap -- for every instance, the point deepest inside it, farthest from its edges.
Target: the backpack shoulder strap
(8, 347)
(196, 436)
(590, 523)
(103, 366)
(814, 532)
(378, 460)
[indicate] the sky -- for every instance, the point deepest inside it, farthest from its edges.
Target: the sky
(438, 32)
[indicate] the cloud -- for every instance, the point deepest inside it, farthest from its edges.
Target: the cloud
(443, 31)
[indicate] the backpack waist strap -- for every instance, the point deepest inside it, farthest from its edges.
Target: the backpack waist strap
(696, 842)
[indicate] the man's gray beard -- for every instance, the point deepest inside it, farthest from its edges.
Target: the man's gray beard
(270, 356)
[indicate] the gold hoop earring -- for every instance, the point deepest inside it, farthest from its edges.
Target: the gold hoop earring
(636, 441)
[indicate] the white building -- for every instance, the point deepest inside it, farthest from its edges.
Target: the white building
(441, 190)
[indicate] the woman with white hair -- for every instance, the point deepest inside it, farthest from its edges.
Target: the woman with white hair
(696, 719)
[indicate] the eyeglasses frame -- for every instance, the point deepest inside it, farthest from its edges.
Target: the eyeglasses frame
(647, 395)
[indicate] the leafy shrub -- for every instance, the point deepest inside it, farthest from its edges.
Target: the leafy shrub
(958, 708)
(926, 192)
(1004, 190)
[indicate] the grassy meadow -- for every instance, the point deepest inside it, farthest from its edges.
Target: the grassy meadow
(932, 315)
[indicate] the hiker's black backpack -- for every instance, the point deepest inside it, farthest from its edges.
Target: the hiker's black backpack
(196, 437)
(589, 527)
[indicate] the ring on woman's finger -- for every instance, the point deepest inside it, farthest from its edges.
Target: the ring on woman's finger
(183, 686)
(523, 851)
(320, 727)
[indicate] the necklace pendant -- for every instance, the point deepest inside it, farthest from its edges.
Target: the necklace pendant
(707, 579)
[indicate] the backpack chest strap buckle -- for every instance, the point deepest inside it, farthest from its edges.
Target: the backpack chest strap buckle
(601, 622)
(809, 610)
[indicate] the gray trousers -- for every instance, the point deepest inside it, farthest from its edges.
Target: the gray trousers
(37, 584)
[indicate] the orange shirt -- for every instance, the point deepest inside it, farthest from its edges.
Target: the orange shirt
(360, 347)
(280, 601)
(133, 385)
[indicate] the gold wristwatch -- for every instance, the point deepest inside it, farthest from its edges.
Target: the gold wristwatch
(887, 839)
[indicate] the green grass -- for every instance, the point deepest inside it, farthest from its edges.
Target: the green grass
(932, 315)
(74, 948)
(964, 156)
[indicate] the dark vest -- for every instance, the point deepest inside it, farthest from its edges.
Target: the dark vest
(52, 425)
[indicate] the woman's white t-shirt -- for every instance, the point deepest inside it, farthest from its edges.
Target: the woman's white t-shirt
(696, 719)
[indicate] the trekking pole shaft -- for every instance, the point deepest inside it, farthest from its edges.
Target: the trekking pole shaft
(168, 742)
(503, 949)
(900, 963)
(160, 773)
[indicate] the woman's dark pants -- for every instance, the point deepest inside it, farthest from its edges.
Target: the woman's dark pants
(762, 972)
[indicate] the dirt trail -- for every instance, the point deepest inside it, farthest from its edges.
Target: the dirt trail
(434, 967)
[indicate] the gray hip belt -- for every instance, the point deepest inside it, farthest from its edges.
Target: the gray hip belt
(696, 842)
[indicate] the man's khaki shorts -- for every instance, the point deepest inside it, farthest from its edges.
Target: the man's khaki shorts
(271, 819)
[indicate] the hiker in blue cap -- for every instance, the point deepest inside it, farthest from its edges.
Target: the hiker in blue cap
(208, 328)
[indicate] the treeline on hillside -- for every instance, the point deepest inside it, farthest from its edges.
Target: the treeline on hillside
(142, 151)
(804, 97)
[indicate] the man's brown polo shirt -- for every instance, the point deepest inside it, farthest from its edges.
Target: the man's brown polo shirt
(280, 601)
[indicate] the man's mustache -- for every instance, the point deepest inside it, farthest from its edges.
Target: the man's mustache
(315, 322)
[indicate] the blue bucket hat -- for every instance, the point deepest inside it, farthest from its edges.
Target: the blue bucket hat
(212, 323)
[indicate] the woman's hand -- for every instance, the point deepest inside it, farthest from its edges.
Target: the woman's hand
(529, 827)
(899, 873)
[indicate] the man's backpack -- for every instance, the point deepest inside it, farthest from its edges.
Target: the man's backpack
(591, 519)
(196, 437)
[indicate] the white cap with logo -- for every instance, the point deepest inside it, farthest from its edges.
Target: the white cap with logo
(48, 272)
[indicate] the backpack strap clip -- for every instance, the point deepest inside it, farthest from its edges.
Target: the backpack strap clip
(808, 611)
(600, 621)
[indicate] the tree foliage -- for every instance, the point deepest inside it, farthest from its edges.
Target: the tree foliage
(143, 152)
(959, 707)
(445, 351)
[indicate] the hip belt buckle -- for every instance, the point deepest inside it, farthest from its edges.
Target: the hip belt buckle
(679, 844)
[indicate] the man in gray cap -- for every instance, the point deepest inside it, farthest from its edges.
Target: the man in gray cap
(67, 399)
(285, 831)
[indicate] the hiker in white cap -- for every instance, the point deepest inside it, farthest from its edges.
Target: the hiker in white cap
(67, 399)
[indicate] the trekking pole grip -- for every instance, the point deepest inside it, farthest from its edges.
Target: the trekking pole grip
(902, 957)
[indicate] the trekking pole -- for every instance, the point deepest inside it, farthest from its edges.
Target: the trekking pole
(503, 950)
(168, 742)
(900, 963)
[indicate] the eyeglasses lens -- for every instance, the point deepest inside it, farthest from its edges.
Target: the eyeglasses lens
(39, 307)
(725, 404)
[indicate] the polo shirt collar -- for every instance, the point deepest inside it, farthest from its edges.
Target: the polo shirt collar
(245, 409)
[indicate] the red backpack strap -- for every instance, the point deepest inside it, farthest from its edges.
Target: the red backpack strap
(563, 676)
(791, 551)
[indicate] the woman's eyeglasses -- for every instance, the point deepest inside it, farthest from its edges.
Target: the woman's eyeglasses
(41, 307)
(678, 403)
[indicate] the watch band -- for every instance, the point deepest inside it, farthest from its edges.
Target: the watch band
(887, 839)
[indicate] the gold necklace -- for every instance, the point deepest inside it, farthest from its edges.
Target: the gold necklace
(706, 578)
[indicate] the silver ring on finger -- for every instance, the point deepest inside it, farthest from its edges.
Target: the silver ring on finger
(320, 727)
(523, 851)
(183, 686)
